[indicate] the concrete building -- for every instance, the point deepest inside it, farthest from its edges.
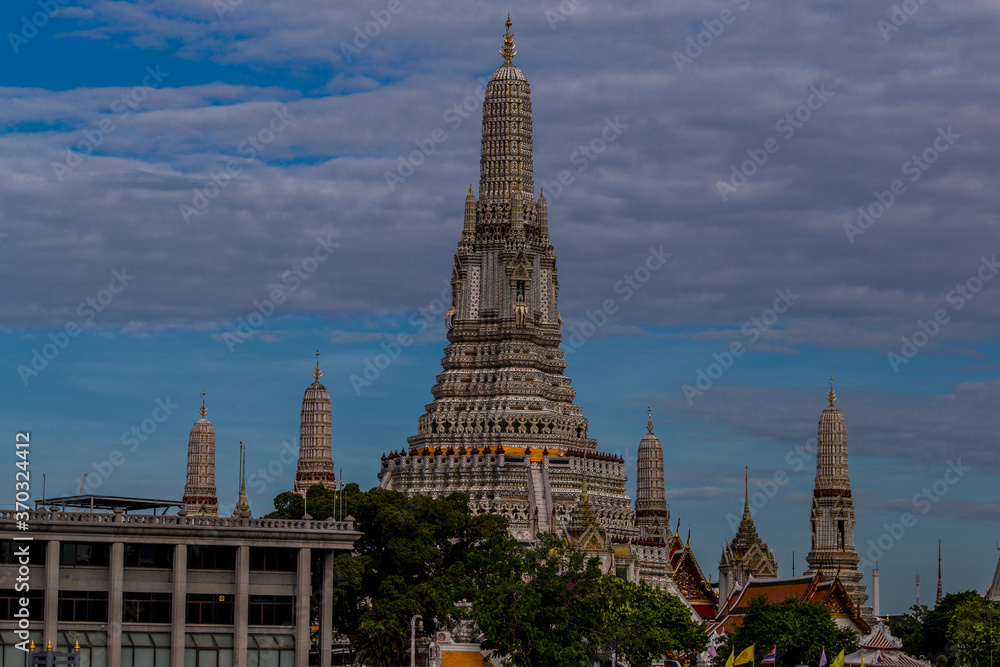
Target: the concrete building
(170, 590)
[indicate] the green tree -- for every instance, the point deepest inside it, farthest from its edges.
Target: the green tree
(537, 606)
(550, 606)
(975, 630)
(910, 630)
(643, 623)
(799, 630)
(412, 558)
(938, 646)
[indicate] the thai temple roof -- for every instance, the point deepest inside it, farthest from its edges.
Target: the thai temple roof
(831, 594)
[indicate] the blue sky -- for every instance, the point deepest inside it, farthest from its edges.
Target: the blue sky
(170, 170)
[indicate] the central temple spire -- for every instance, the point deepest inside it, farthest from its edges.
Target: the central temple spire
(503, 427)
(505, 166)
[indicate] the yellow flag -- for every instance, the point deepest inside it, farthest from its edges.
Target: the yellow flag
(839, 660)
(746, 655)
(732, 655)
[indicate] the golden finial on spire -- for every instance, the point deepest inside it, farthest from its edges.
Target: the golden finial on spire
(508, 51)
(470, 188)
(203, 410)
(649, 420)
(317, 373)
(831, 396)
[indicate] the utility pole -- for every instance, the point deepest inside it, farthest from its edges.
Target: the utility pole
(413, 638)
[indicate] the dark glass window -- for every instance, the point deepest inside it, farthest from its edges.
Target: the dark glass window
(10, 552)
(97, 554)
(149, 555)
(272, 610)
(208, 608)
(273, 559)
(10, 602)
(201, 557)
(146, 607)
(83, 606)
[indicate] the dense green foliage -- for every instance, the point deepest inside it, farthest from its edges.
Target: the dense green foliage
(910, 630)
(799, 630)
(644, 623)
(939, 634)
(539, 606)
(549, 606)
(975, 630)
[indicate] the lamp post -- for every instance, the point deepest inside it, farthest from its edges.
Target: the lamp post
(413, 638)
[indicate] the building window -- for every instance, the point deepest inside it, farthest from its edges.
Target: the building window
(95, 554)
(83, 606)
(201, 557)
(621, 572)
(270, 651)
(272, 610)
(145, 649)
(93, 646)
(146, 607)
(10, 654)
(208, 650)
(10, 602)
(10, 552)
(204, 608)
(273, 559)
(840, 534)
(149, 555)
